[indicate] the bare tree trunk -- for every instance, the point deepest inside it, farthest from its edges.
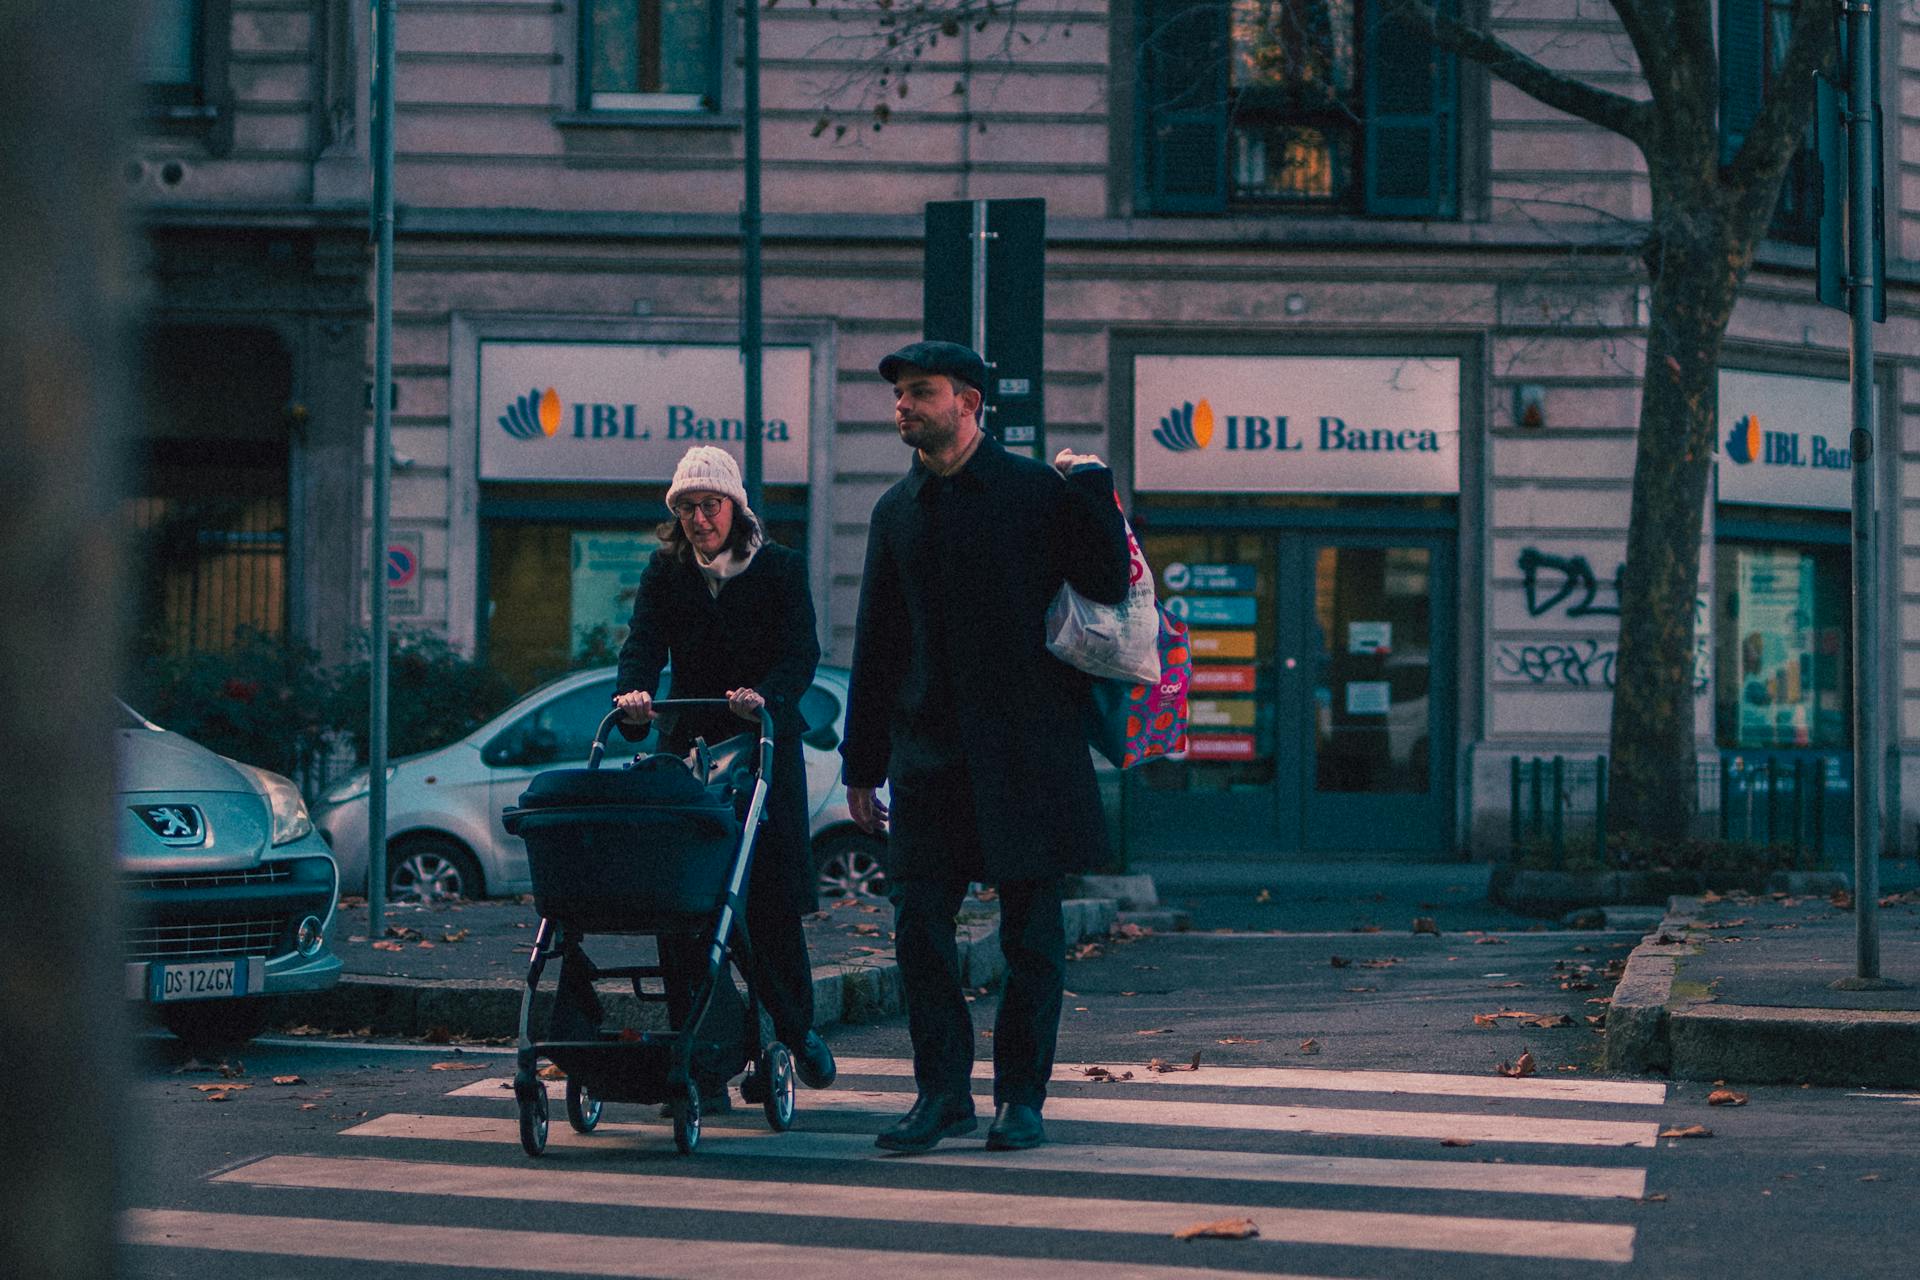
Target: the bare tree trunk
(1696, 276)
(64, 71)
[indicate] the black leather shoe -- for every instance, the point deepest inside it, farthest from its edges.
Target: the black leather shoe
(753, 1086)
(1015, 1128)
(934, 1116)
(813, 1062)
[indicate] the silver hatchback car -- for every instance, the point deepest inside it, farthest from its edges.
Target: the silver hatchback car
(444, 835)
(230, 893)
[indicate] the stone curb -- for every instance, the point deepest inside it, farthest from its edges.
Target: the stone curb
(1637, 1019)
(852, 991)
(1649, 1029)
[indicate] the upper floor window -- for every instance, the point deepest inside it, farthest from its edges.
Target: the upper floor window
(1329, 104)
(651, 55)
(1753, 44)
(172, 51)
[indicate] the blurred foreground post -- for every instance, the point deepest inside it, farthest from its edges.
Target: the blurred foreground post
(66, 73)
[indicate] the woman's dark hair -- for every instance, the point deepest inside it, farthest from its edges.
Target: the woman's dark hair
(673, 537)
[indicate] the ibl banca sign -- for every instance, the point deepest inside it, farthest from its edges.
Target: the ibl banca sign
(1784, 440)
(618, 412)
(1296, 424)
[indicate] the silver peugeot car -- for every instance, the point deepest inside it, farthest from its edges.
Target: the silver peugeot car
(229, 890)
(444, 834)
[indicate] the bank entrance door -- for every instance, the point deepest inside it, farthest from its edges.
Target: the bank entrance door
(1363, 692)
(1322, 700)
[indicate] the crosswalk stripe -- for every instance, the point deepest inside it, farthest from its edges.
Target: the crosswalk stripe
(1237, 1166)
(1633, 1092)
(1445, 1233)
(494, 1250)
(1239, 1115)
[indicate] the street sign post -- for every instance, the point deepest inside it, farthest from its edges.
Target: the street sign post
(985, 286)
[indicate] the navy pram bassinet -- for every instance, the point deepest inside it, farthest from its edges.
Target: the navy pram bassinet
(652, 848)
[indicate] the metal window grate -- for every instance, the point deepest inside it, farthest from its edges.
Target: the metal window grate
(180, 880)
(204, 939)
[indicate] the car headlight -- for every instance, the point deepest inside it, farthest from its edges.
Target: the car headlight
(290, 820)
(353, 786)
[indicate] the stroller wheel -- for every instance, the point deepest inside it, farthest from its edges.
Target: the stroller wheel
(533, 1118)
(776, 1068)
(583, 1110)
(686, 1122)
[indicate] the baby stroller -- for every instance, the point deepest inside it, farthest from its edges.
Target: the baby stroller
(659, 848)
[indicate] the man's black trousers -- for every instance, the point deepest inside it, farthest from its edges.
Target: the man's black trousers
(1034, 942)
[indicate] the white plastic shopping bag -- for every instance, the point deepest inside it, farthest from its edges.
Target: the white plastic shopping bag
(1111, 641)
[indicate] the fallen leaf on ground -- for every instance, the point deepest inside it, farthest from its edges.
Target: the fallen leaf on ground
(308, 1106)
(1489, 941)
(1240, 1040)
(1164, 1067)
(1362, 990)
(1265, 895)
(1456, 1142)
(551, 1071)
(221, 1088)
(424, 945)
(1726, 1098)
(1101, 1075)
(1507, 986)
(388, 946)
(1224, 1229)
(1873, 1177)
(1128, 931)
(1492, 1019)
(457, 935)
(1841, 900)
(454, 1066)
(304, 1029)
(1522, 1066)
(1155, 1031)
(287, 1080)
(1338, 962)
(438, 1034)
(401, 931)
(1309, 1046)
(1425, 924)
(1086, 951)
(1658, 1197)
(1552, 1020)
(1690, 1131)
(231, 1070)
(221, 1096)
(1384, 962)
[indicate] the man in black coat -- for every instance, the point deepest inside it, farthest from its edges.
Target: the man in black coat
(976, 728)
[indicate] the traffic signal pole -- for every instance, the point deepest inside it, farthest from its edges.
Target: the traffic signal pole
(382, 146)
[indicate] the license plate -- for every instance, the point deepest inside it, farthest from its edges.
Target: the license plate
(210, 980)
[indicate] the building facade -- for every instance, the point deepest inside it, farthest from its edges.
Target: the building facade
(1360, 327)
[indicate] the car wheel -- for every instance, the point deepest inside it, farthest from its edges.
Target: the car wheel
(215, 1024)
(430, 869)
(850, 862)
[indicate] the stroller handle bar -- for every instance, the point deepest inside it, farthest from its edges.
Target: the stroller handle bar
(616, 715)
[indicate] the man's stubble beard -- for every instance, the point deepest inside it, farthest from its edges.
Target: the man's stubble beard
(930, 435)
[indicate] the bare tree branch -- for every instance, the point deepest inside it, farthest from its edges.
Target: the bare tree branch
(1613, 111)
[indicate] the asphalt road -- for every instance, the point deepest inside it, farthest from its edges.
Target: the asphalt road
(376, 1164)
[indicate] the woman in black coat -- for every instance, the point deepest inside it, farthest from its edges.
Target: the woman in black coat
(734, 614)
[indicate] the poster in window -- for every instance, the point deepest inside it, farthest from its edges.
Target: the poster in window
(1775, 647)
(606, 572)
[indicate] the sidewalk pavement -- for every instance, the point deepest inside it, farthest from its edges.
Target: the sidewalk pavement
(1739, 987)
(454, 971)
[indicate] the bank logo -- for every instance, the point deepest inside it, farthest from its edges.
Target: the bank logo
(1187, 428)
(1743, 442)
(533, 415)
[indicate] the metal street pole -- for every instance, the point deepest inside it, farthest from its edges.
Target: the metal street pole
(750, 335)
(1862, 137)
(382, 450)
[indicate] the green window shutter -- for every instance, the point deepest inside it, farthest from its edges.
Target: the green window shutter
(1413, 118)
(1743, 70)
(1181, 151)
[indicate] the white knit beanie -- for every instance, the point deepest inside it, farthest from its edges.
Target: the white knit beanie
(710, 470)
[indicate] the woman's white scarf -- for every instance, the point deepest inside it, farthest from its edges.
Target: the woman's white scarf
(725, 566)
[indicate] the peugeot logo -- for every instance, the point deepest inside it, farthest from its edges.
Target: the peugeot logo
(178, 824)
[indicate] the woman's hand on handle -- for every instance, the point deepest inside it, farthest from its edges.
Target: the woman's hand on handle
(745, 703)
(638, 704)
(869, 812)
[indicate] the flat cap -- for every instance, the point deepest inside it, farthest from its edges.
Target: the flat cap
(949, 358)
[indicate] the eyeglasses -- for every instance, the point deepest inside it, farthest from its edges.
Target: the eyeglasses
(708, 507)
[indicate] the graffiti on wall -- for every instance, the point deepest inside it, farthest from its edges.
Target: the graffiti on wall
(1565, 578)
(1568, 585)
